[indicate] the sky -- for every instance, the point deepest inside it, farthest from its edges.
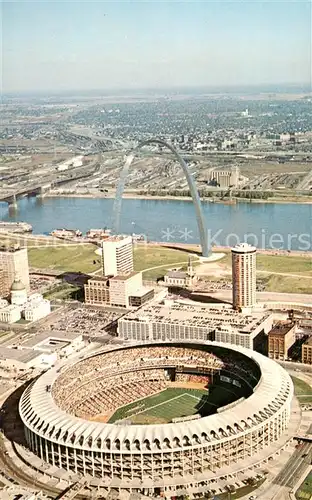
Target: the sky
(70, 45)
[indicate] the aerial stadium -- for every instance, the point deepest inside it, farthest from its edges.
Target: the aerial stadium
(159, 419)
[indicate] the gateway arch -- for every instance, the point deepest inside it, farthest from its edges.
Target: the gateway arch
(191, 184)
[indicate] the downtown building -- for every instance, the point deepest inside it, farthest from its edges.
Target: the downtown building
(183, 322)
(244, 277)
(13, 263)
(124, 290)
(117, 255)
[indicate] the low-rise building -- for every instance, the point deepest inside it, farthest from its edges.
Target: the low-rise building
(97, 291)
(177, 278)
(24, 359)
(122, 287)
(3, 303)
(280, 339)
(10, 314)
(61, 343)
(178, 321)
(120, 291)
(306, 353)
(141, 296)
(35, 310)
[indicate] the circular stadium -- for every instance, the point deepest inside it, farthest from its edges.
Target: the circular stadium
(159, 418)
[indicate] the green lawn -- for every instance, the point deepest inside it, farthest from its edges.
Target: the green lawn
(70, 258)
(304, 492)
(287, 284)
(303, 390)
(150, 256)
(284, 264)
(156, 255)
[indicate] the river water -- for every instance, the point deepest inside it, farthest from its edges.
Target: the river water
(268, 225)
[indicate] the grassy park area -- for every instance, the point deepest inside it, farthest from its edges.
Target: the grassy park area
(303, 390)
(155, 260)
(68, 258)
(287, 284)
(284, 264)
(150, 256)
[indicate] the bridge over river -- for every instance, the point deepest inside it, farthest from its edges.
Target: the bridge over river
(11, 196)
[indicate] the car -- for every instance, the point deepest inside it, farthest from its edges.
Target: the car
(253, 497)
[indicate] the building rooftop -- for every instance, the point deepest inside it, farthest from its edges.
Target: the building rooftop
(309, 341)
(11, 307)
(200, 316)
(141, 291)
(44, 337)
(177, 274)
(17, 286)
(99, 278)
(244, 248)
(22, 355)
(281, 328)
(124, 277)
(116, 238)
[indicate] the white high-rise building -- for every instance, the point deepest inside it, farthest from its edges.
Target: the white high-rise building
(117, 255)
(244, 276)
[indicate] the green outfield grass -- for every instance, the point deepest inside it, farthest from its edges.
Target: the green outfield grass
(174, 402)
(68, 258)
(303, 390)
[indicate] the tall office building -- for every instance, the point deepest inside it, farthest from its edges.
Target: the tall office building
(117, 255)
(13, 262)
(244, 276)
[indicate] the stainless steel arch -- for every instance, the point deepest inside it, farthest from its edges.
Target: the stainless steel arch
(191, 184)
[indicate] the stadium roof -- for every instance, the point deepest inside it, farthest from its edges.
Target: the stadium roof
(274, 386)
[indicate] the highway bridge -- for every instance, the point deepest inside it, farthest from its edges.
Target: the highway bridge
(12, 196)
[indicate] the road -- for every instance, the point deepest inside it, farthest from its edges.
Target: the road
(300, 298)
(11, 470)
(295, 466)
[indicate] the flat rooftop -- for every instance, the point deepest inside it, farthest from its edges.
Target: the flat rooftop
(22, 355)
(141, 291)
(93, 279)
(42, 339)
(200, 316)
(309, 341)
(281, 329)
(115, 238)
(124, 277)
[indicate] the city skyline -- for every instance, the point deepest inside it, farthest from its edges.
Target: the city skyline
(133, 45)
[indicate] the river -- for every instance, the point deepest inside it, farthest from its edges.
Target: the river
(285, 226)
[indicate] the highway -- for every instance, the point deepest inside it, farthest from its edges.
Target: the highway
(8, 467)
(295, 466)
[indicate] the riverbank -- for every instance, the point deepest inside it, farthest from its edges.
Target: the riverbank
(137, 196)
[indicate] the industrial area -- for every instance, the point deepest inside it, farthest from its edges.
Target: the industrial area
(235, 148)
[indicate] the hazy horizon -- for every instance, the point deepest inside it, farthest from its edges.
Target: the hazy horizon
(150, 46)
